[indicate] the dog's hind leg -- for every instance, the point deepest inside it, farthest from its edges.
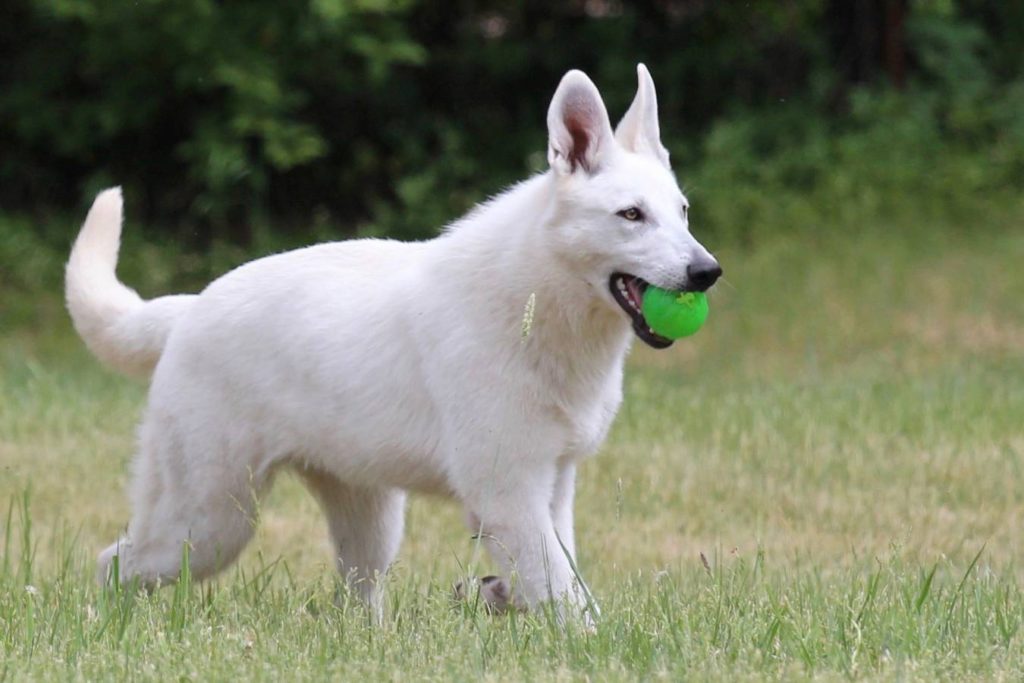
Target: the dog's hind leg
(365, 526)
(207, 528)
(187, 503)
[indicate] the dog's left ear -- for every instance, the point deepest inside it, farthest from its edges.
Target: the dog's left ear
(638, 131)
(579, 131)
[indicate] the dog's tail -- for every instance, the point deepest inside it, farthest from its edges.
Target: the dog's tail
(119, 327)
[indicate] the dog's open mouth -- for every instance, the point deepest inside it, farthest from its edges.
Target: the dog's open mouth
(628, 292)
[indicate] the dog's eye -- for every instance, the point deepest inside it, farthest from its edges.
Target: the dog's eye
(686, 212)
(631, 214)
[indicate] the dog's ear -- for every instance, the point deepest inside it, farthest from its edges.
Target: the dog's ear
(579, 131)
(638, 131)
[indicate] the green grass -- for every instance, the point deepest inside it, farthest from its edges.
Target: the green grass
(824, 483)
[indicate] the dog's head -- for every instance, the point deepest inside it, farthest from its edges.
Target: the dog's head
(622, 221)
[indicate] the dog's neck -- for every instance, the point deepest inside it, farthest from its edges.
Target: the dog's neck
(542, 310)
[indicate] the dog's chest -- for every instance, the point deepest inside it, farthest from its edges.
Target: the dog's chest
(590, 427)
(588, 407)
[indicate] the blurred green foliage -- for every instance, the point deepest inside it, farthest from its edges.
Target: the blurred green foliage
(390, 117)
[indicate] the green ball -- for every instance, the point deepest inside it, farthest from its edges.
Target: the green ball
(674, 315)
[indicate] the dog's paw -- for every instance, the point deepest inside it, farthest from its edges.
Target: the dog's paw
(494, 592)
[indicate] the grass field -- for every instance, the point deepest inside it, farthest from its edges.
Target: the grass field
(825, 483)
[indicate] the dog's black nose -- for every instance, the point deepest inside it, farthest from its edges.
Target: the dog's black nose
(702, 274)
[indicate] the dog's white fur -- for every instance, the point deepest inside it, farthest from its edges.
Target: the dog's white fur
(375, 367)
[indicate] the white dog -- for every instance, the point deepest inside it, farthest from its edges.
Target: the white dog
(373, 367)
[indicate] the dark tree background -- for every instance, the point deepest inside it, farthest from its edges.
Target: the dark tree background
(391, 117)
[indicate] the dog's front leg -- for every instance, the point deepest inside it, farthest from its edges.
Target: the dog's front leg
(515, 520)
(561, 507)
(562, 515)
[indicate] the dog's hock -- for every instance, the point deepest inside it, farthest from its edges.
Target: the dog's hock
(638, 131)
(578, 126)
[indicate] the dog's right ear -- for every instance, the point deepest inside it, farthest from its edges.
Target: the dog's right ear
(579, 131)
